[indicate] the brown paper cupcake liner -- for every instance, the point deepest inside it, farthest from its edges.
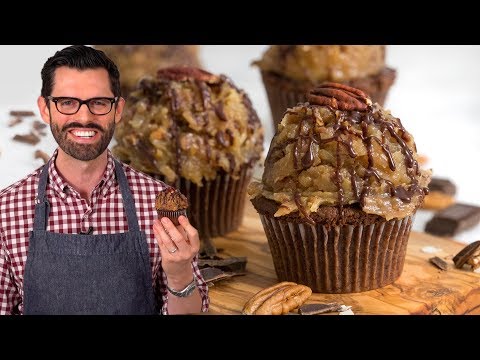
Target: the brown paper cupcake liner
(341, 259)
(283, 93)
(172, 215)
(217, 207)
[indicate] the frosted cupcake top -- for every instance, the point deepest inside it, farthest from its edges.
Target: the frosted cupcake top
(190, 123)
(137, 61)
(317, 63)
(170, 199)
(340, 149)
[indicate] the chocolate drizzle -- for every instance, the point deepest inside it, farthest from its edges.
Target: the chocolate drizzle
(344, 133)
(202, 106)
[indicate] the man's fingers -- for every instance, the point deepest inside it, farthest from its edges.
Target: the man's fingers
(175, 235)
(163, 239)
(191, 232)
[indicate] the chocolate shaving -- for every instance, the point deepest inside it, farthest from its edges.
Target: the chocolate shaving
(467, 254)
(314, 309)
(38, 125)
(439, 263)
(39, 154)
(233, 264)
(31, 138)
(22, 113)
(16, 120)
(212, 275)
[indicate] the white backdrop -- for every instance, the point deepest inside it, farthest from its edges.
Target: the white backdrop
(436, 95)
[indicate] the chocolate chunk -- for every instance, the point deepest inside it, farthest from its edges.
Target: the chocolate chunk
(22, 113)
(38, 125)
(453, 220)
(313, 309)
(211, 275)
(442, 185)
(39, 154)
(467, 254)
(233, 264)
(440, 263)
(31, 138)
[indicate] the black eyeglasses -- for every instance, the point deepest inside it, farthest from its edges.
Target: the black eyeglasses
(71, 105)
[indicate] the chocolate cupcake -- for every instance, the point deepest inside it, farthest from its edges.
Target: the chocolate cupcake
(199, 133)
(171, 203)
(339, 191)
(290, 71)
(136, 61)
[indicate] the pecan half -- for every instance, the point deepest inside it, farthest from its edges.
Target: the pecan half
(278, 299)
(183, 73)
(339, 96)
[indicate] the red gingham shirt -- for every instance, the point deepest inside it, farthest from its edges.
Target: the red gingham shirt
(71, 214)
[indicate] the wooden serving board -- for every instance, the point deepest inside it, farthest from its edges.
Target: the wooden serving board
(421, 289)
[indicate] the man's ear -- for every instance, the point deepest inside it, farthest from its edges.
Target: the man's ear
(119, 109)
(43, 108)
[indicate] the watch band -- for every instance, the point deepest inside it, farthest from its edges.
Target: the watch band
(187, 291)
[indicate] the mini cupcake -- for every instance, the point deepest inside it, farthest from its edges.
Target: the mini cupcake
(339, 191)
(136, 61)
(171, 203)
(199, 133)
(290, 71)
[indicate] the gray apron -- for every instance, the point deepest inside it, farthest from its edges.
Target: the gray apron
(87, 274)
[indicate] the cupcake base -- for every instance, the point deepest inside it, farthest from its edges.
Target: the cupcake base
(338, 259)
(284, 93)
(172, 215)
(217, 206)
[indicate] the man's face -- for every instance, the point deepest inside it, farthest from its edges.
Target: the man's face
(83, 135)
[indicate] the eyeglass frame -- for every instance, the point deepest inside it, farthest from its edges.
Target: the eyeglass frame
(55, 99)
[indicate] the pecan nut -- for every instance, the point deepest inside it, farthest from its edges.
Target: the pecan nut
(339, 96)
(278, 299)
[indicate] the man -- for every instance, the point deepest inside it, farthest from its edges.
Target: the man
(80, 235)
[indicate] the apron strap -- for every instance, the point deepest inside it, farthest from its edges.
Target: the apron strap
(42, 206)
(128, 201)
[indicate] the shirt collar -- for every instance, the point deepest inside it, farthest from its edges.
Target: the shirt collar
(63, 189)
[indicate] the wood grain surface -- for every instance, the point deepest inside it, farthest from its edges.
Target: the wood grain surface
(421, 289)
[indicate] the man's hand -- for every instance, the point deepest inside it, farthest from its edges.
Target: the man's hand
(178, 246)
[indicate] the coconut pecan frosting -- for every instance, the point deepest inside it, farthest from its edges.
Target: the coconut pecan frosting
(187, 122)
(340, 149)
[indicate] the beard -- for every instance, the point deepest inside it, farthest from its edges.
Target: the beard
(83, 152)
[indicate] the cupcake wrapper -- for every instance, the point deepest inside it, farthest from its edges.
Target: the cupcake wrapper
(341, 259)
(172, 215)
(282, 93)
(216, 208)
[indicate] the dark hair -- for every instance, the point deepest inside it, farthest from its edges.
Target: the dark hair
(79, 57)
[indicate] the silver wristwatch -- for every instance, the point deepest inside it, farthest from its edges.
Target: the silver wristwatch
(187, 291)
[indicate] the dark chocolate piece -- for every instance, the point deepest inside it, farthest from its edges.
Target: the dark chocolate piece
(469, 252)
(22, 113)
(39, 154)
(453, 220)
(31, 138)
(38, 125)
(233, 264)
(442, 185)
(440, 263)
(313, 309)
(211, 275)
